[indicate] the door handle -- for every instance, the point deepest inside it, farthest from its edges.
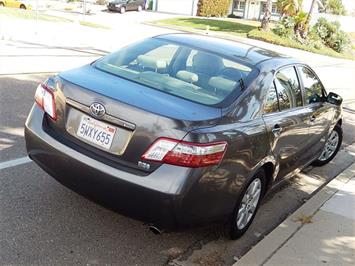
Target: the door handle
(312, 118)
(276, 130)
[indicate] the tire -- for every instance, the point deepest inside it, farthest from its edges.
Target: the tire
(23, 7)
(2, 4)
(140, 8)
(236, 229)
(122, 10)
(322, 160)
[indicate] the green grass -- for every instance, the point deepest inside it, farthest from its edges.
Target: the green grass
(244, 28)
(235, 28)
(93, 25)
(29, 14)
(271, 37)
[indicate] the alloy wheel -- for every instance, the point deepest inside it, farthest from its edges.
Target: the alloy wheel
(330, 146)
(249, 203)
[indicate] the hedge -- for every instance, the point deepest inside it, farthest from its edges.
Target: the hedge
(213, 8)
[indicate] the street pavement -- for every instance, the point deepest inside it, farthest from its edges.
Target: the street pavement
(321, 232)
(41, 222)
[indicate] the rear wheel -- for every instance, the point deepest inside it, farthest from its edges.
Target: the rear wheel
(331, 147)
(22, 7)
(2, 4)
(247, 205)
(140, 8)
(122, 10)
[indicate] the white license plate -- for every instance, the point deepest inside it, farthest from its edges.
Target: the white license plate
(96, 132)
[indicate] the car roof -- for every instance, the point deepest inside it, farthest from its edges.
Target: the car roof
(248, 54)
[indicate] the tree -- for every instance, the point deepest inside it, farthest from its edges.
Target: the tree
(308, 20)
(265, 23)
(334, 7)
(289, 7)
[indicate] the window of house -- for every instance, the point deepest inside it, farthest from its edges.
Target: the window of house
(312, 85)
(274, 9)
(239, 5)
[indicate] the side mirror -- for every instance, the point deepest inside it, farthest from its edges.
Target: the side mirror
(334, 98)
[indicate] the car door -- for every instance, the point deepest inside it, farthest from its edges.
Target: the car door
(12, 3)
(321, 112)
(286, 121)
(132, 5)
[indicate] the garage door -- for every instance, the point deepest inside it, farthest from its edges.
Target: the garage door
(185, 7)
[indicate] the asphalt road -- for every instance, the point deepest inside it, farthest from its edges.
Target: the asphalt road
(42, 222)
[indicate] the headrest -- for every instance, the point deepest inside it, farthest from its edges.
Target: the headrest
(220, 83)
(187, 76)
(151, 62)
(207, 63)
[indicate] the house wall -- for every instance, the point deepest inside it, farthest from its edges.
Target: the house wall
(184, 7)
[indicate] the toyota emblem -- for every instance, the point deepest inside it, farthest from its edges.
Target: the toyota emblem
(97, 110)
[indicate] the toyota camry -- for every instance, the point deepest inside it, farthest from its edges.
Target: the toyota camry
(181, 129)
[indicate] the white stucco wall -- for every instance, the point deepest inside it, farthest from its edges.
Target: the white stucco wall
(185, 7)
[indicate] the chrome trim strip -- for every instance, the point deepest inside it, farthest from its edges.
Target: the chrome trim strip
(106, 117)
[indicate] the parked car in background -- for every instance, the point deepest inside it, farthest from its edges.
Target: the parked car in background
(126, 5)
(183, 129)
(17, 4)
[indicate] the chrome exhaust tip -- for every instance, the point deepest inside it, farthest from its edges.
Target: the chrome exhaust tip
(155, 230)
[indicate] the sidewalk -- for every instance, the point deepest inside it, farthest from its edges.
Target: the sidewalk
(321, 232)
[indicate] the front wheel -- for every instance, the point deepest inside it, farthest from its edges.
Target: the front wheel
(22, 7)
(122, 10)
(331, 147)
(247, 205)
(2, 4)
(140, 8)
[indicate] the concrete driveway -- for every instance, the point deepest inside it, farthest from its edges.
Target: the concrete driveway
(43, 223)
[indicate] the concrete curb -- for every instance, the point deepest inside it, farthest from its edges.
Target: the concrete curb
(267, 247)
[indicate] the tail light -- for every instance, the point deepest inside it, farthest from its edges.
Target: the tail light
(184, 153)
(44, 97)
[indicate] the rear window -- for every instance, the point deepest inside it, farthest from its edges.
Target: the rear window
(179, 70)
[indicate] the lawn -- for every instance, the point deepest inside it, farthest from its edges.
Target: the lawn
(243, 28)
(31, 15)
(28, 14)
(240, 28)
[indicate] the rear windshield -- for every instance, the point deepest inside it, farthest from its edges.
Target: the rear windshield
(183, 71)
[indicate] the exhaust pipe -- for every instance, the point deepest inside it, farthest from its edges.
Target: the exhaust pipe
(155, 230)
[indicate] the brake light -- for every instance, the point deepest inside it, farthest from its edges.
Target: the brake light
(44, 97)
(184, 153)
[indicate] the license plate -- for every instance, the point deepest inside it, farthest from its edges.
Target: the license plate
(96, 132)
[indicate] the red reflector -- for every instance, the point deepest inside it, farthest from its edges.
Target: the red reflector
(184, 153)
(45, 99)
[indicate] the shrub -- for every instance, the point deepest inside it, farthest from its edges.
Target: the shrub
(331, 35)
(213, 8)
(285, 27)
(101, 2)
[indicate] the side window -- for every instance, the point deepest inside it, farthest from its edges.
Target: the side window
(287, 80)
(313, 87)
(271, 102)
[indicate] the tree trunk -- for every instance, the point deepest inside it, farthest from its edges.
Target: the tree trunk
(309, 17)
(265, 23)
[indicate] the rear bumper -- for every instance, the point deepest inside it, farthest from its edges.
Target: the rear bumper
(153, 199)
(170, 198)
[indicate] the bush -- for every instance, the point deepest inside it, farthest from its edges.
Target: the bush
(101, 2)
(331, 35)
(213, 8)
(285, 27)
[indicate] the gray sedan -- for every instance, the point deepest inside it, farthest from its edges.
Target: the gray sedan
(181, 129)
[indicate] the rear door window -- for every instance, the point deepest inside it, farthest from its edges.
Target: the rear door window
(271, 101)
(287, 84)
(312, 85)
